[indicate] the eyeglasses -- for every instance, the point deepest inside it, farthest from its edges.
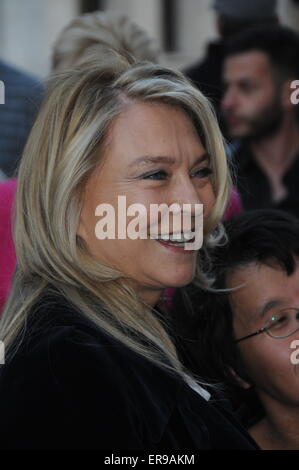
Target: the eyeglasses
(281, 325)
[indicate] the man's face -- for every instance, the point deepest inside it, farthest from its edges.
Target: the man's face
(266, 360)
(251, 104)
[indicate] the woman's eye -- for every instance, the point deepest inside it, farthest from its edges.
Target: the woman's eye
(162, 175)
(202, 172)
(157, 175)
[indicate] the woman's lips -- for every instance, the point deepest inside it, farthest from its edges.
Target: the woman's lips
(174, 248)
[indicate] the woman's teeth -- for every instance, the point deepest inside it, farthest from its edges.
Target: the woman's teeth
(176, 238)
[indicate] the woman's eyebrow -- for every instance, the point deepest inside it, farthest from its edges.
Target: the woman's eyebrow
(152, 159)
(165, 159)
(203, 158)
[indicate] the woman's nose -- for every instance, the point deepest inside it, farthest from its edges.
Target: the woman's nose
(185, 192)
(188, 200)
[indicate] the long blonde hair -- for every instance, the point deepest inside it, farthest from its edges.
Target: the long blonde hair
(61, 153)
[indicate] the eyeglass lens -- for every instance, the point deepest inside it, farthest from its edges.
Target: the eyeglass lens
(283, 323)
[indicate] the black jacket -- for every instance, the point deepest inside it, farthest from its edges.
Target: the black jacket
(72, 386)
(254, 187)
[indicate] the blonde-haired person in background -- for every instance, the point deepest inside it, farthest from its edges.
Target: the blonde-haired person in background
(90, 362)
(93, 35)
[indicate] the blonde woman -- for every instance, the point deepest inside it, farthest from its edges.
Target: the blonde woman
(89, 359)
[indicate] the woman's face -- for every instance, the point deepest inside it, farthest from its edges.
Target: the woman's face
(153, 155)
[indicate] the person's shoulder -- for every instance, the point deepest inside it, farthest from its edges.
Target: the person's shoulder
(71, 370)
(56, 324)
(23, 91)
(64, 342)
(17, 76)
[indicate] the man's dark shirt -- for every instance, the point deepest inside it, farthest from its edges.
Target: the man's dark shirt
(206, 74)
(254, 186)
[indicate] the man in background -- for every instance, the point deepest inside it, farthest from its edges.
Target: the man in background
(259, 69)
(232, 17)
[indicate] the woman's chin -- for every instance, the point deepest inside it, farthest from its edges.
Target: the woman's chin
(178, 279)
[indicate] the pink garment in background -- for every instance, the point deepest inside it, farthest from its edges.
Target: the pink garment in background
(234, 206)
(7, 250)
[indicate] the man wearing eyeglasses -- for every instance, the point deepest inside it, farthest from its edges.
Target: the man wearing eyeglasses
(245, 337)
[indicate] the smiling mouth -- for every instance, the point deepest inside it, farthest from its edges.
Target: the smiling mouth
(176, 239)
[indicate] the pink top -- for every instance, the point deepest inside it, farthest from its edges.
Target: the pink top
(234, 206)
(7, 250)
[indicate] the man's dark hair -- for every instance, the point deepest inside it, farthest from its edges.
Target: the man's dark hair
(205, 336)
(279, 43)
(229, 26)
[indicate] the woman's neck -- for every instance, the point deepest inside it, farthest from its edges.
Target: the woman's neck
(148, 295)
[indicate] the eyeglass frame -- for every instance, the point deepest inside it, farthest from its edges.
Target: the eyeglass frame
(266, 327)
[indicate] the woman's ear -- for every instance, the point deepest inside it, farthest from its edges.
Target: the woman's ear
(241, 382)
(81, 231)
(81, 228)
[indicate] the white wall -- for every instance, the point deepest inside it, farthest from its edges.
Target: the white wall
(28, 28)
(289, 13)
(196, 25)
